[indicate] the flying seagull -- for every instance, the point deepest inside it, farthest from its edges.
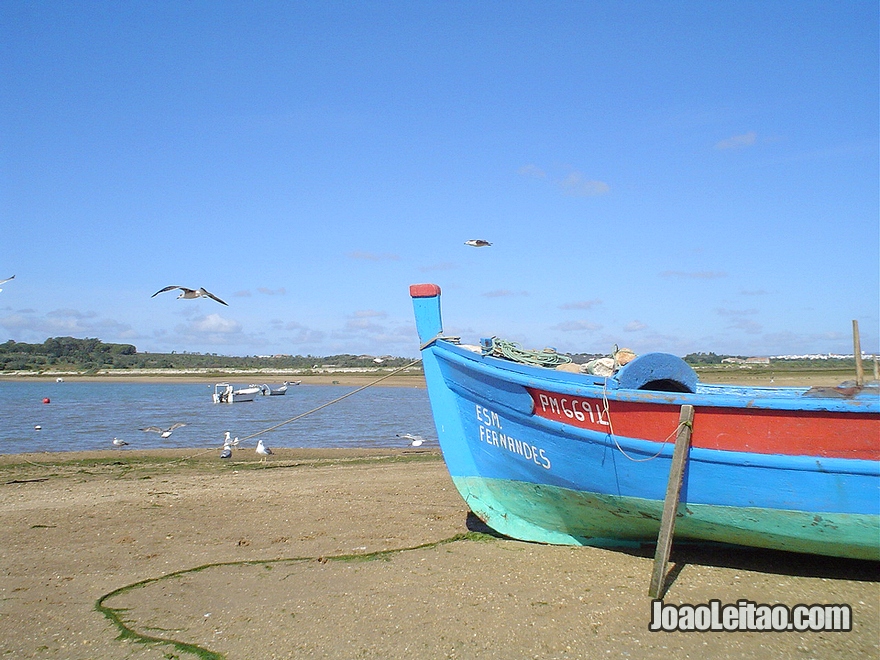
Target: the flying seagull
(417, 440)
(191, 293)
(263, 451)
(119, 443)
(6, 280)
(164, 432)
(477, 242)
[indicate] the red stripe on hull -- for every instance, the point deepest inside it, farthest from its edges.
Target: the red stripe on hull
(789, 432)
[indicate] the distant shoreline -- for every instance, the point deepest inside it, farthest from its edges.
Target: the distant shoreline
(745, 377)
(347, 379)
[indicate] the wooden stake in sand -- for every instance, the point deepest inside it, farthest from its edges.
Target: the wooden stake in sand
(673, 494)
(857, 353)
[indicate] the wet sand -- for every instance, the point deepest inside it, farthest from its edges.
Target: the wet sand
(351, 554)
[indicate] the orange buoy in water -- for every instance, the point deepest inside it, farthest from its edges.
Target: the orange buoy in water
(46, 400)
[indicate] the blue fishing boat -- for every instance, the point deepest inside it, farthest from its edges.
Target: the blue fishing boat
(551, 456)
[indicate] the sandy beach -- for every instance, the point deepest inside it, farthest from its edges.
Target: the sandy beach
(351, 554)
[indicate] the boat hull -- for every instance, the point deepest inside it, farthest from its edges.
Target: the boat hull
(767, 469)
(225, 393)
(240, 396)
(565, 516)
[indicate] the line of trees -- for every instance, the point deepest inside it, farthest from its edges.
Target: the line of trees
(71, 354)
(707, 358)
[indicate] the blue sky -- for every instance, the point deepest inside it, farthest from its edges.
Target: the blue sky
(674, 176)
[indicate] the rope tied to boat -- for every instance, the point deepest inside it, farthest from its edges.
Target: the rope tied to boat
(607, 413)
(511, 350)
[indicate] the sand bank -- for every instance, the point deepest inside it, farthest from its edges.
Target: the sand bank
(350, 554)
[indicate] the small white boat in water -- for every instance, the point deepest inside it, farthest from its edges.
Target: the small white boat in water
(226, 393)
(277, 391)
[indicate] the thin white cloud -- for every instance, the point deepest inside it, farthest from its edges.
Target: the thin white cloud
(371, 256)
(502, 293)
(214, 324)
(370, 314)
(272, 292)
(577, 326)
(634, 326)
(573, 183)
(581, 304)
(818, 342)
(206, 333)
(366, 329)
(532, 171)
(20, 322)
(697, 275)
(71, 314)
(735, 313)
(738, 319)
(738, 141)
(446, 265)
(365, 320)
(66, 322)
(301, 335)
(579, 186)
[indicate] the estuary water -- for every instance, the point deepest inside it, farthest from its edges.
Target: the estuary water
(88, 415)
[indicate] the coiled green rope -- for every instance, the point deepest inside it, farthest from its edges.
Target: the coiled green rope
(511, 350)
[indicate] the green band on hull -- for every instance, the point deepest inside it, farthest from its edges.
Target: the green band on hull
(550, 514)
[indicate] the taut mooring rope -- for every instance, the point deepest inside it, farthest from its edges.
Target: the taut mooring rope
(330, 403)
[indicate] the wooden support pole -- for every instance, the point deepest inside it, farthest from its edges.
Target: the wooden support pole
(857, 353)
(673, 494)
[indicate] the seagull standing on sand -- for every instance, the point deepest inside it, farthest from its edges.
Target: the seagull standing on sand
(229, 441)
(191, 293)
(477, 242)
(227, 452)
(119, 443)
(164, 432)
(416, 440)
(6, 280)
(263, 451)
